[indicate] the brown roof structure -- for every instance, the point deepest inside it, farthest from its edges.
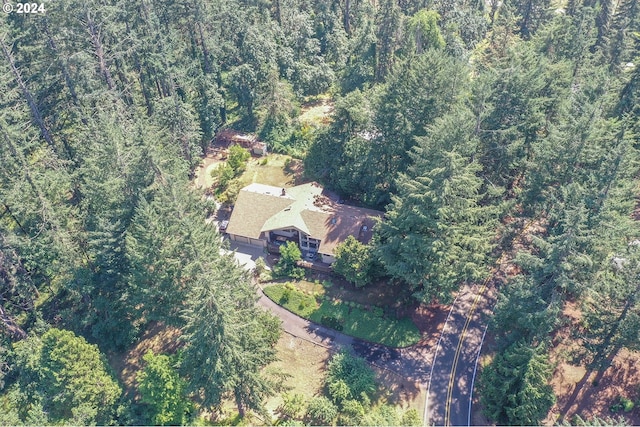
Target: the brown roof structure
(262, 208)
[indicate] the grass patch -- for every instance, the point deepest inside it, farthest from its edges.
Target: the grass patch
(304, 364)
(271, 173)
(316, 111)
(293, 300)
(371, 325)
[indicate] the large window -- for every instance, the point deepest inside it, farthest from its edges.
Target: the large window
(309, 243)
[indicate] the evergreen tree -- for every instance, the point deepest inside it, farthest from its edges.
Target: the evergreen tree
(69, 376)
(514, 386)
(388, 35)
(436, 234)
(354, 261)
(228, 340)
(406, 107)
(424, 32)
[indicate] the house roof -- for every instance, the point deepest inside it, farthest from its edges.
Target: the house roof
(262, 208)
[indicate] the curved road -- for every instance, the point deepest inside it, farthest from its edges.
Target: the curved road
(412, 363)
(449, 379)
(450, 390)
(447, 371)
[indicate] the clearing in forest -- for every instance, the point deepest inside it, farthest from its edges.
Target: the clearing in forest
(317, 112)
(278, 170)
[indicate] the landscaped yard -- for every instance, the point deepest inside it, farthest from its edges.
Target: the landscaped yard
(271, 170)
(367, 322)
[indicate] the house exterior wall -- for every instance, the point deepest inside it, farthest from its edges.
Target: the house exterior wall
(284, 233)
(258, 242)
(248, 241)
(328, 259)
(239, 239)
(308, 243)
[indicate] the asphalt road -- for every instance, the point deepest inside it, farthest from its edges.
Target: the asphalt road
(450, 378)
(449, 397)
(413, 363)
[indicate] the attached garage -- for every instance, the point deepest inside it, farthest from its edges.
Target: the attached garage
(258, 242)
(239, 239)
(248, 240)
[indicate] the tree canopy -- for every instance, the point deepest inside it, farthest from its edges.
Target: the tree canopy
(461, 120)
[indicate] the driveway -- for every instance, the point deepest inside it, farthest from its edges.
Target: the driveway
(447, 371)
(246, 255)
(412, 363)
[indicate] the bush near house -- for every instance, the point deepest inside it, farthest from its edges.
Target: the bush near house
(353, 261)
(226, 175)
(287, 264)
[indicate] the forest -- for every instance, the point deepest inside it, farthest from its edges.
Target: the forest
(468, 122)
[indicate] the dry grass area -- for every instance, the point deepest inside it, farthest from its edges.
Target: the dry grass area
(158, 338)
(400, 392)
(274, 172)
(304, 364)
(211, 160)
(278, 170)
(317, 112)
(590, 392)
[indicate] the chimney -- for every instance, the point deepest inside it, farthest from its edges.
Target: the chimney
(284, 193)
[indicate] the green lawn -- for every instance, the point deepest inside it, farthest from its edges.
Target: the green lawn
(349, 317)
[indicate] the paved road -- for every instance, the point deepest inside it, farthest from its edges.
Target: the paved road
(413, 363)
(451, 381)
(459, 346)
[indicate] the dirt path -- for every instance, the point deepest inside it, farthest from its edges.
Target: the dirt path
(203, 173)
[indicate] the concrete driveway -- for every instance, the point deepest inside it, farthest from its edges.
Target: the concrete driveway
(247, 255)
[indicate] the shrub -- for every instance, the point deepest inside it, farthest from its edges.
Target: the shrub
(339, 391)
(354, 372)
(230, 194)
(353, 261)
(321, 411)
(293, 405)
(331, 322)
(222, 175)
(286, 295)
(261, 267)
(237, 160)
(163, 391)
(627, 404)
(411, 418)
(287, 264)
(352, 413)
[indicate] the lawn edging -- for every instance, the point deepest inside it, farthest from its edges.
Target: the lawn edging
(346, 317)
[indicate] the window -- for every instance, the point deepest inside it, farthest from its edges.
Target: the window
(310, 243)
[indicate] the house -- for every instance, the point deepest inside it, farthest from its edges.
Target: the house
(267, 216)
(227, 137)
